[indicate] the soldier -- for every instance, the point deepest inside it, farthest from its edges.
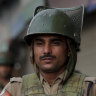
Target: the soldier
(54, 40)
(6, 66)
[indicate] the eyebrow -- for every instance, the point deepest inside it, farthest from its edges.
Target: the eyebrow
(39, 39)
(57, 39)
(51, 39)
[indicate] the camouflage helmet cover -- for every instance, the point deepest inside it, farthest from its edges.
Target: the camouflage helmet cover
(62, 21)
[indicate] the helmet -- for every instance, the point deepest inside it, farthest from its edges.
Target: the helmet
(6, 59)
(61, 21)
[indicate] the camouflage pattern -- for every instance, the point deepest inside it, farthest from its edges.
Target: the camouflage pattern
(73, 87)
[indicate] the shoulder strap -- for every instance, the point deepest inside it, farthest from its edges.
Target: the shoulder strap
(90, 79)
(14, 86)
(16, 79)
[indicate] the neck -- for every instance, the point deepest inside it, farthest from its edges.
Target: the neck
(4, 81)
(51, 77)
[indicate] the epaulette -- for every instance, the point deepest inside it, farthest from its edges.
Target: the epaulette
(16, 79)
(90, 79)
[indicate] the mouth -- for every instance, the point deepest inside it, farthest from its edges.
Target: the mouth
(47, 59)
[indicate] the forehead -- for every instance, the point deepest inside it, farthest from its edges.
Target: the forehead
(49, 36)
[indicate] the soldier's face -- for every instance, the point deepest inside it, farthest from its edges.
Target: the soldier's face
(5, 71)
(50, 52)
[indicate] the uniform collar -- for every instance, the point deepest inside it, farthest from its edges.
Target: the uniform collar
(60, 77)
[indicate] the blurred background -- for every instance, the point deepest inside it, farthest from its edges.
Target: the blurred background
(15, 16)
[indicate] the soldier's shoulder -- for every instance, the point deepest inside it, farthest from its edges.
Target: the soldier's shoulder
(14, 86)
(30, 80)
(16, 79)
(90, 79)
(90, 82)
(89, 86)
(87, 79)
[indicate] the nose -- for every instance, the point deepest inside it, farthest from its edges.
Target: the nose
(47, 49)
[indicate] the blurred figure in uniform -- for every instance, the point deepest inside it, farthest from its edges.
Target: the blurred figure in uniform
(6, 68)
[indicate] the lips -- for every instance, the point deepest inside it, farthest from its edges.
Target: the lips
(47, 60)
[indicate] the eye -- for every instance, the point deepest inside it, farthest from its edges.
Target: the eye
(56, 43)
(39, 43)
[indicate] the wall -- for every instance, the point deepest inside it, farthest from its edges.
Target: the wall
(87, 56)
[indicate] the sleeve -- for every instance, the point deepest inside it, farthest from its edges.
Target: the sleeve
(5, 93)
(89, 86)
(14, 87)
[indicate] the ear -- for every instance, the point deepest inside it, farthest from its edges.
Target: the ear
(40, 8)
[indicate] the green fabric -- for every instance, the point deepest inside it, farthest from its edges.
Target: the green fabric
(72, 87)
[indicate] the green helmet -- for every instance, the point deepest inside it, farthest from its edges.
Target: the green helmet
(61, 21)
(6, 59)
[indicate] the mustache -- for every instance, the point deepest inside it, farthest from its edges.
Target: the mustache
(46, 56)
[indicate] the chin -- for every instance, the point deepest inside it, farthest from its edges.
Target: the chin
(48, 69)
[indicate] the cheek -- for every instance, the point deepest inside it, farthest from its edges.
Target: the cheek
(61, 53)
(37, 53)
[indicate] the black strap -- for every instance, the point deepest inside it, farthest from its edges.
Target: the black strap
(89, 87)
